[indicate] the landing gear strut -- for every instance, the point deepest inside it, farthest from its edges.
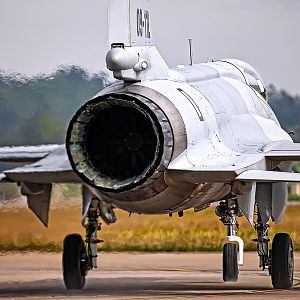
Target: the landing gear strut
(78, 259)
(228, 212)
(279, 260)
(262, 241)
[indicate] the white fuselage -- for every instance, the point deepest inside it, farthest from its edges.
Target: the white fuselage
(223, 115)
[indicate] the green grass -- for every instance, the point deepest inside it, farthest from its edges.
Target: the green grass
(297, 167)
(294, 197)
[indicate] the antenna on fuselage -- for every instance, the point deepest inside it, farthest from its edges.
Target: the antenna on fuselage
(191, 51)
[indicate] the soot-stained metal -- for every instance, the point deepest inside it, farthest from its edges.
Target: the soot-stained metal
(117, 142)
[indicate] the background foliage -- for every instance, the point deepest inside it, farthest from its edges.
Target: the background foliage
(37, 110)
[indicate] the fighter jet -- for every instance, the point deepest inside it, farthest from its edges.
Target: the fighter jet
(162, 141)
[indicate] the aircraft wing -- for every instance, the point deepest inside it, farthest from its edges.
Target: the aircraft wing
(239, 166)
(284, 151)
(244, 167)
(25, 154)
(47, 164)
(40, 167)
(219, 167)
(50, 164)
(268, 176)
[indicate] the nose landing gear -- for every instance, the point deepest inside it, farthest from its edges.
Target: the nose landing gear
(228, 212)
(230, 265)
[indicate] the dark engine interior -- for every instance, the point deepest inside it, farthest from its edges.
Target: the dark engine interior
(120, 141)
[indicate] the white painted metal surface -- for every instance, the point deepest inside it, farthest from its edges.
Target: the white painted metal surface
(247, 202)
(129, 23)
(240, 242)
(26, 153)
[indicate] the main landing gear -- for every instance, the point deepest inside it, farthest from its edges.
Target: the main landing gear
(279, 261)
(77, 258)
(282, 261)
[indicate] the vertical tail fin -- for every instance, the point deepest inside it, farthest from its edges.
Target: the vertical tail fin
(129, 23)
(133, 56)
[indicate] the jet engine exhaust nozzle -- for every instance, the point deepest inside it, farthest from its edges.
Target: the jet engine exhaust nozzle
(117, 142)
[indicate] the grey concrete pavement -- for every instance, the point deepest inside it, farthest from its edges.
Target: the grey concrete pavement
(139, 276)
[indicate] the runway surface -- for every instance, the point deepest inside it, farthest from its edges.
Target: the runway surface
(140, 276)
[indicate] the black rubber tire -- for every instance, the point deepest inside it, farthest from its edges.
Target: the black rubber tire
(270, 266)
(74, 262)
(230, 263)
(282, 261)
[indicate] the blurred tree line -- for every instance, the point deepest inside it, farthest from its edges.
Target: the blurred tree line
(37, 110)
(287, 110)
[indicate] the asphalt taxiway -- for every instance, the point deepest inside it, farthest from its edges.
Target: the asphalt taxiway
(140, 276)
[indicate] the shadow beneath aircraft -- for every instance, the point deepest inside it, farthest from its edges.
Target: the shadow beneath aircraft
(126, 287)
